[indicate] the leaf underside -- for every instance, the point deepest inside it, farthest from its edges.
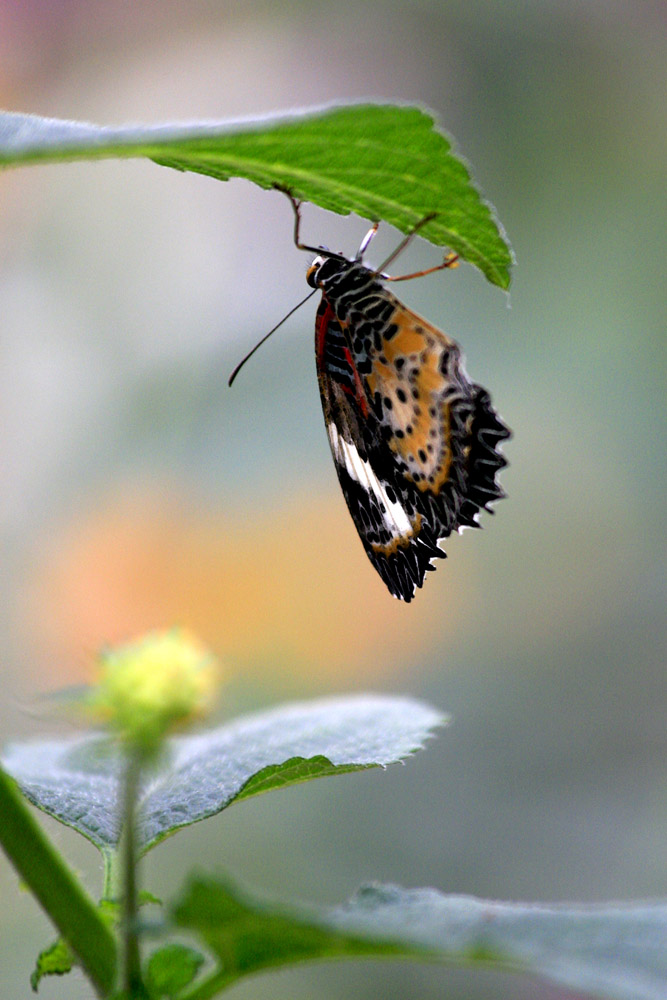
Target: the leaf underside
(615, 950)
(382, 162)
(78, 781)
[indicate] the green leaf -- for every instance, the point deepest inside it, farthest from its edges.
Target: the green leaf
(170, 969)
(78, 781)
(382, 162)
(146, 898)
(56, 960)
(292, 771)
(615, 950)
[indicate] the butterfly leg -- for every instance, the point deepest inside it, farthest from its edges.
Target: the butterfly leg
(296, 204)
(451, 260)
(404, 243)
(366, 240)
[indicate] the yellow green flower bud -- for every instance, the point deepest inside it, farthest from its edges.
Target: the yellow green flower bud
(162, 681)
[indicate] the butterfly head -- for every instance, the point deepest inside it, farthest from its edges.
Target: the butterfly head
(324, 266)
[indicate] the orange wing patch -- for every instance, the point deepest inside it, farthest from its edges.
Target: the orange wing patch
(416, 375)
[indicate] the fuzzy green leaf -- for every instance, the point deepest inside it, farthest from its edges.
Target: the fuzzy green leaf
(616, 951)
(381, 161)
(78, 782)
(170, 969)
(56, 960)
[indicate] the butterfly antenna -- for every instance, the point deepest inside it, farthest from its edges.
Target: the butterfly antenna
(267, 335)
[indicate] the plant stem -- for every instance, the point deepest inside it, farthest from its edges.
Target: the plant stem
(132, 981)
(57, 889)
(112, 888)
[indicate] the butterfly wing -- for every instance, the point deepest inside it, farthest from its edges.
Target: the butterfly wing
(440, 426)
(397, 540)
(413, 440)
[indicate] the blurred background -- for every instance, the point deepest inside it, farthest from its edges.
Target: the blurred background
(139, 491)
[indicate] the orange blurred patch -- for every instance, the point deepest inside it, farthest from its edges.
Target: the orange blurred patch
(292, 587)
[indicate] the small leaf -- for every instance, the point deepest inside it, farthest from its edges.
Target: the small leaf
(148, 899)
(613, 950)
(381, 161)
(77, 781)
(171, 969)
(56, 960)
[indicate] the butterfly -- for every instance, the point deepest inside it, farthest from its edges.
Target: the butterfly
(414, 441)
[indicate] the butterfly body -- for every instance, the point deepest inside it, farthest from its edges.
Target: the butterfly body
(413, 439)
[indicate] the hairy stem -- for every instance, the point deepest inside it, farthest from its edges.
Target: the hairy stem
(57, 889)
(132, 981)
